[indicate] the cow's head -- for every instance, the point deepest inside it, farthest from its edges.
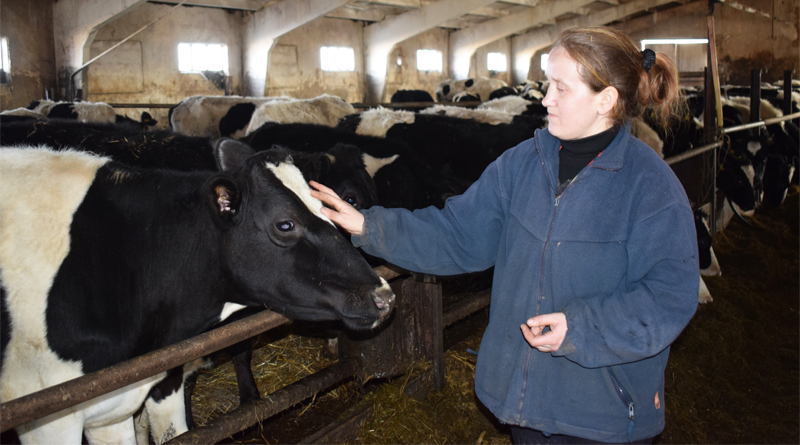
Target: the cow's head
(280, 251)
(343, 169)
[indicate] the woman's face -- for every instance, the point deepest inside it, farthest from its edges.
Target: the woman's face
(573, 110)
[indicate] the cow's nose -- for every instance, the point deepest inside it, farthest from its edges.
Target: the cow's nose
(383, 298)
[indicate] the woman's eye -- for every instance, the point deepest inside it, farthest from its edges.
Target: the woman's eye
(285, 226)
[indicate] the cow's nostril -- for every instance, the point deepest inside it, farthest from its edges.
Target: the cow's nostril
(383, 298)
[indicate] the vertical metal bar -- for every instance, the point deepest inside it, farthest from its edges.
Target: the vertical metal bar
(787, 91)
(712, 53)
(714, 192)
(755, 95)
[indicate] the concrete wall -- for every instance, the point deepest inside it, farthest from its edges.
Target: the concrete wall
(145, 69)
(406, 76)
(478, 66)
(73, 21)
(28, 26)
(294, 64)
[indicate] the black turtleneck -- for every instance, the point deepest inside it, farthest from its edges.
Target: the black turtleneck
(578, 153)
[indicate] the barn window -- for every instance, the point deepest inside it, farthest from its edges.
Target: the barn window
(496, 62)
(429, 60)
(543, 62)
(689, 54)
(337, 58)
(197, 57)
(5, 61)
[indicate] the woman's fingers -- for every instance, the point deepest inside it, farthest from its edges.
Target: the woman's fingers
(341, 213)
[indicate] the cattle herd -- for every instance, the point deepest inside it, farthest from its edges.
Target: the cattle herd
(121, 238)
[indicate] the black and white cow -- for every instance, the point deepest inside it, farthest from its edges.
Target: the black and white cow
(402, 96)
(21, 115)
(321, 110)
(401, 178)
(446, 89)
(503, 92)
(517, 106)
(215, 116)
(461, 148)
(177, 251)
(95, 112)
(157, 149)
(339, 168)
(466, 96)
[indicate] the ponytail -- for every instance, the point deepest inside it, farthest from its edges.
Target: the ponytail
(608, 57)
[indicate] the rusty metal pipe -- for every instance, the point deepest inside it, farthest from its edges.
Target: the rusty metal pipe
(55, 398)
(254, 412)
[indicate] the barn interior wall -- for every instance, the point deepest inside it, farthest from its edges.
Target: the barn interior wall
(750, 34)
(406, 76)
(502, 46)
(73, 21)
(145, 69)
(29, 28)
(294, 67)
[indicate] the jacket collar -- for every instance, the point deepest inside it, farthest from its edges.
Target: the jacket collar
(611, 159)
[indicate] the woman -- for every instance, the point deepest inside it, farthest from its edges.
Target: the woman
(594, 248)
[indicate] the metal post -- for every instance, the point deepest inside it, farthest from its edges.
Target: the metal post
(755, 95)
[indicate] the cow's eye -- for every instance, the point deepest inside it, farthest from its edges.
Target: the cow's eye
(351, 200)
(285, 226)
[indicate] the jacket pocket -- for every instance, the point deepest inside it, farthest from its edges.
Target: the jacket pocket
(624, 396)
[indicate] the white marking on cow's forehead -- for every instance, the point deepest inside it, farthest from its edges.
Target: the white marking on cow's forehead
(291, 177)
(373, 164)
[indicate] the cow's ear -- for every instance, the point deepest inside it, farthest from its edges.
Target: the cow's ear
(231, 154)
(147, 119)
(225, 199)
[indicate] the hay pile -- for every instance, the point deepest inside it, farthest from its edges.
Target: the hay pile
(274, 365)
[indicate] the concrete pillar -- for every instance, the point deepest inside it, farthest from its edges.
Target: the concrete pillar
(380, 38)
(262, 28)
(525, 46)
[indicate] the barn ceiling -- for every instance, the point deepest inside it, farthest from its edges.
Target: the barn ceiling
(373, 11)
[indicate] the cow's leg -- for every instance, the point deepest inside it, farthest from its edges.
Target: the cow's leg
(67, 429)
(141, 425)
(117, 433)
(242, 356)
(165, 409)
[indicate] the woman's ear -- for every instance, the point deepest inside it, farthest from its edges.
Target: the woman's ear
(608, 98)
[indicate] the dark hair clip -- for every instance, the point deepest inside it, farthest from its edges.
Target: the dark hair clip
(648, 59)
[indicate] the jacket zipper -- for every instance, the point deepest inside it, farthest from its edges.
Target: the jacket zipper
(623, 395)
(541, 282)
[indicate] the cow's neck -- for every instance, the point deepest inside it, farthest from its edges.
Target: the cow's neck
(156, 280)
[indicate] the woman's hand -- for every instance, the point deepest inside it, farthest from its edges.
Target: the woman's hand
(551, 340)
(343, 214)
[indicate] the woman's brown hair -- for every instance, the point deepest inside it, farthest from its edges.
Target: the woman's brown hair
(608, 57)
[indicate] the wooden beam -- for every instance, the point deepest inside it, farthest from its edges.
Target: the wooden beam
(242, 5)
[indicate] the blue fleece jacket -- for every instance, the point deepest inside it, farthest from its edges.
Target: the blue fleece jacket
(616, 252)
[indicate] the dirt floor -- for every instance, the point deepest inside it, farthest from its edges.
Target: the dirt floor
(733, 374)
